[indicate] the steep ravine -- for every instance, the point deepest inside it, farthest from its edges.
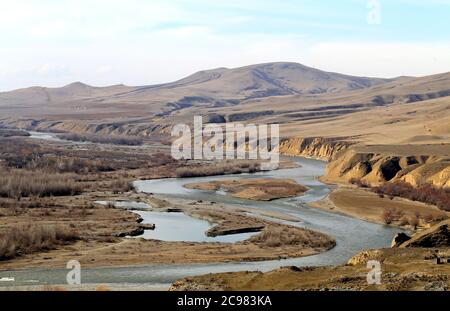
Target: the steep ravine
(347, 161)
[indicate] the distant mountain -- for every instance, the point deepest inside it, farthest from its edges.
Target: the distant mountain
(273, 79)
(256, 81)
(290, 94)
(72, 92)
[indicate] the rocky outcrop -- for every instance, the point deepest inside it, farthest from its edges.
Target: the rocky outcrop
(346, 162)
(191, 285)
(140, 230)
(374, 169)
(315, 147)
(213, 232)
(365, 256)
(148, 226)
(399, 239)
(132, 233)
(437, 236)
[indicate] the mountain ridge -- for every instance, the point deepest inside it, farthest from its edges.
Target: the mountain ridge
(260, 80)
(293, 95)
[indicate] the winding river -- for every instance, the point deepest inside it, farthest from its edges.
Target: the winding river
(352, 235)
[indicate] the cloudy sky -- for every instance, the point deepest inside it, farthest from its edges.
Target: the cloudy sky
(138, 42)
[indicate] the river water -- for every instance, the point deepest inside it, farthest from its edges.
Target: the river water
(352, 235)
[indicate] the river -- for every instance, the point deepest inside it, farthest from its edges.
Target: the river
(352, 235)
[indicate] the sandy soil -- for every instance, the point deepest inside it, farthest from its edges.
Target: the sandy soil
(266, 189)
(364, 204)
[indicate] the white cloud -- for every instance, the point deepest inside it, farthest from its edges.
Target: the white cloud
(169, 55)
(49, 69)
(105, 69)
(383, 59)
(139, 42)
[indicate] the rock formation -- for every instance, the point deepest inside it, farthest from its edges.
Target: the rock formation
(437, 236)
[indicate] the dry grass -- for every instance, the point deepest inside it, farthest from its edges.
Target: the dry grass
(19, 153)
(278, 237)
(218, 169)
(4, 132)
(27, 239)
(122, 185)
(102, 139)
(70, 165)
(21, 183)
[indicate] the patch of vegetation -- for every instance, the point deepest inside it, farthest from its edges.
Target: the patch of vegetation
(27, 239)
(5, 132)
(227, 168)
(426, 193)
(21, 183)
(294, 237)
(122, 185)
(103, 139)
(16, 153)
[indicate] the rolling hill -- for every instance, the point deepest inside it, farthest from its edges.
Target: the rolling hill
(299, 98)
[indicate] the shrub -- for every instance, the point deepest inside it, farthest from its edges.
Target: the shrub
(12, 133)
(16, 153)
(404, 221)
(18, 183)
(359, 183)
(292, 236)
(217, 169)
(414, 221)
(70, 165)
(27, 239)
(428, 218)
(103, 139)
(426, 193)
(388, 216)
(122, 185)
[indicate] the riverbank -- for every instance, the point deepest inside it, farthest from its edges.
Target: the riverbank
(354, 169)
(367, 205)
(276, 241)
(178, 259)
(409, 269)
(253, 189)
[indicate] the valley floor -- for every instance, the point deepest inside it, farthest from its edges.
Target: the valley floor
(401, 269)
(99, 231)
(272, 244)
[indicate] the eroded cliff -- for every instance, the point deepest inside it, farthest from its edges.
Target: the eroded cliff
(374, 165)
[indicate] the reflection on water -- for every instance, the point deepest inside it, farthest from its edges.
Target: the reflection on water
(126, 204)
(180, 227)
(175, 227)
(352, 235)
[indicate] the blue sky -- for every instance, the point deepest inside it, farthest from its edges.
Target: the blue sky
(137, 42)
